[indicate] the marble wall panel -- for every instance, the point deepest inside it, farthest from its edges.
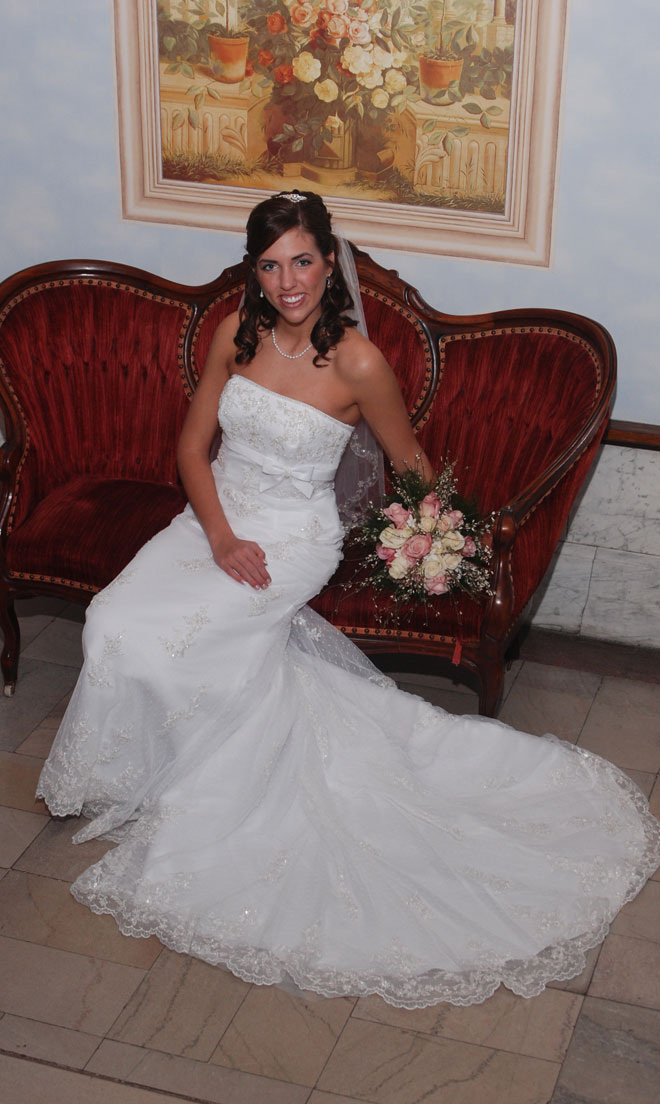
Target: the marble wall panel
(624, 599)
(561, 598)
(620, 506)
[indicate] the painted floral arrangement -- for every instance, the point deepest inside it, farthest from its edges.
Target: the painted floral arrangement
(329, 60)
(425, 540)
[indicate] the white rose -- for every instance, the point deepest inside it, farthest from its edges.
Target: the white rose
(391, 537)
(432, 564)
(372, 79)
(379, 98)
(453, 541)
(306, 67)
(399, 567)
(326, 90)
(381, 58)
(427, 524)
(451, 560)
(395, 81)
(356, 59)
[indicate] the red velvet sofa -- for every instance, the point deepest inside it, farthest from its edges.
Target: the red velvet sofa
(98, 362)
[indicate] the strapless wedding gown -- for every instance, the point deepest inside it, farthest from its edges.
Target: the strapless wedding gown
(281, 808)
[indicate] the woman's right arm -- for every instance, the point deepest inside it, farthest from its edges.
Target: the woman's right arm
(242, 560)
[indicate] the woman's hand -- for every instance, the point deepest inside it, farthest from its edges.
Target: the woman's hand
(243, 561)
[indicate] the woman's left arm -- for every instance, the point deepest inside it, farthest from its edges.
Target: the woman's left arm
(379, 398)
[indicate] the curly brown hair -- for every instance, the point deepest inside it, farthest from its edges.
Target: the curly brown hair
(267, 222)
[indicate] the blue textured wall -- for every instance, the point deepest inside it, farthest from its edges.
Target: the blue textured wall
(59, 182)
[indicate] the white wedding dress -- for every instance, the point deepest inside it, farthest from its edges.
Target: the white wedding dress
(281, 808)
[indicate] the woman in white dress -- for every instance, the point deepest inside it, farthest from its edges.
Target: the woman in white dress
(280, 807)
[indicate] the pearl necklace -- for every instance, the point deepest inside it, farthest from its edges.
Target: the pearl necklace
(289, 356)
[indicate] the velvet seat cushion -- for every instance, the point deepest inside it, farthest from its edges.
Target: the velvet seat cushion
(85, 531)
(454, 617)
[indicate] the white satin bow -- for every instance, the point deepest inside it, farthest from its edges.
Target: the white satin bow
(304, 477)
(274, 473)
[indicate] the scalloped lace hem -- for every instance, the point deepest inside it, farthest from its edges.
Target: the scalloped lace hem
(526, 977)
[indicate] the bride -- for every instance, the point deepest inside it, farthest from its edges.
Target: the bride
(280, 808)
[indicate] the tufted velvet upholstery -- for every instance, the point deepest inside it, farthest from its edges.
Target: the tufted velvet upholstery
(98, 361)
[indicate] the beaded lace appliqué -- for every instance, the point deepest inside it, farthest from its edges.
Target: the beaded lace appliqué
(194, 624)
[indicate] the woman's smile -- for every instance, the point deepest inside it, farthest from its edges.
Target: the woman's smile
(292, 274)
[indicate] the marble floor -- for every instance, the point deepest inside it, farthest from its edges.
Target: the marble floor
(88, 1016)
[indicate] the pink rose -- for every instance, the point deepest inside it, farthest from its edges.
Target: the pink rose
(416, 547)
(456, 518)
(359, 33)
(337, 7)
(430, 505)
(436, 585)
(386, 554)
(469, 548)
(302, 14)
(333, 27)
(398, 514)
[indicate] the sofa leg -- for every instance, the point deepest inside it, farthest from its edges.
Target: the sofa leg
(492, 677)
(11, 630)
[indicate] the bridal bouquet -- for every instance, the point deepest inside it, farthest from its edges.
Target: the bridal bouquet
(425, 540)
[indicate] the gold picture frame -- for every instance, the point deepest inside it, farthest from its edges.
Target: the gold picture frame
(179, 101)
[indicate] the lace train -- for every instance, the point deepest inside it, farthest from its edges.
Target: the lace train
(282, 809)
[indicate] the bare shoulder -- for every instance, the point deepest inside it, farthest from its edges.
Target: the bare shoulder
(360, 363)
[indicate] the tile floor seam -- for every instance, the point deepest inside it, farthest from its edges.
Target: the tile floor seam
(245, 996)
(108, 1034)
(246, 1073)
(588, 713)
(334, 1047)
(620, 1000)
(441, 1039)
(28, 1059)
(101, 1040)
(78, 954)
(419, 1033)
(28, 845)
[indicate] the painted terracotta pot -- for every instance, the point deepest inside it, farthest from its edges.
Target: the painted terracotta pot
(231, 55)
(438, 73)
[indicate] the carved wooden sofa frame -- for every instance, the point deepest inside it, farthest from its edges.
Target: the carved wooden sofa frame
(98, 362)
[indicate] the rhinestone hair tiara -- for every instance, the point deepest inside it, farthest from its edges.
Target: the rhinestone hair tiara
(293, 197)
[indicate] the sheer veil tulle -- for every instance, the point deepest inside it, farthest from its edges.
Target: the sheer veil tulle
(360, 476)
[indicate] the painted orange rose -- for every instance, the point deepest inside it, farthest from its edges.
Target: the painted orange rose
(276, 23)
(266, 58)
(284, 74)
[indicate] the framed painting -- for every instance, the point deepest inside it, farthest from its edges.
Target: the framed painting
(430, 127)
